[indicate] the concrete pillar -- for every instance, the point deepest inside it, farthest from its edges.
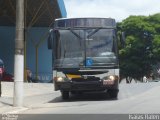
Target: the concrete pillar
(19, 55)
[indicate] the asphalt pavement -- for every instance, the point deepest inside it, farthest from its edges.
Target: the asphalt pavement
(40, 98)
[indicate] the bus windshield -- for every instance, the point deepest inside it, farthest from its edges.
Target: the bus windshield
(76, 48)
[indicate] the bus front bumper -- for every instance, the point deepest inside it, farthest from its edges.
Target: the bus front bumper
(86, 86)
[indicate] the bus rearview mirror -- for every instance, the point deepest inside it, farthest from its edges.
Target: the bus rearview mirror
(50, 39)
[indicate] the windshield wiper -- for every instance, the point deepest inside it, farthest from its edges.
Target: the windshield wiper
(74, 33)
(78, 36)
(92, 33)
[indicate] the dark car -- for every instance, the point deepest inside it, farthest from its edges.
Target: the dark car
(1, 73)
(4, 76)
(1, 69)
(7, 77)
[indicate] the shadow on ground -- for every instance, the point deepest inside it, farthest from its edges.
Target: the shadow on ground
(94, 96)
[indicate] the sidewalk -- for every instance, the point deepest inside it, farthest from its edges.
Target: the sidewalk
(34, 94)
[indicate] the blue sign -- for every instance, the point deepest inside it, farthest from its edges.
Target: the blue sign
(89, 62)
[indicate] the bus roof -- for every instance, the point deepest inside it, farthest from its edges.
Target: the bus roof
(85, 23)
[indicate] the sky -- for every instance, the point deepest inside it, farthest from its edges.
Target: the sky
(118, 9)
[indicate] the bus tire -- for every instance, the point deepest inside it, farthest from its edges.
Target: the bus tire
(113, 93)
(65, 95)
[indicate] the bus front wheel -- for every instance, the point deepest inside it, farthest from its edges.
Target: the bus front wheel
(113, 93)
(65, 95)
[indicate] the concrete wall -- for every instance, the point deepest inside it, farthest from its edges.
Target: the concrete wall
(44, 55)
(7, 38)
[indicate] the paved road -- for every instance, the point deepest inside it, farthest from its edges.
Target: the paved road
(142, 98)
(133, 98)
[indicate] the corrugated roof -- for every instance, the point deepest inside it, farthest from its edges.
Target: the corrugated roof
(39, 13)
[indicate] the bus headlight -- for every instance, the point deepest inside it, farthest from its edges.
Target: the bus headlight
(110, 80)
(111, 77)
(59, 79)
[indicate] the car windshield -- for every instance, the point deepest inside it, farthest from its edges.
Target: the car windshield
(85, 47)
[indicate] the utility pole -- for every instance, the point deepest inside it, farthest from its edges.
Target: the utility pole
(19, 55)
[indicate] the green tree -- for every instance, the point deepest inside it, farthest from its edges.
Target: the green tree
(142, 47)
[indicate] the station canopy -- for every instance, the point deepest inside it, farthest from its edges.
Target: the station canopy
(38, 13)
